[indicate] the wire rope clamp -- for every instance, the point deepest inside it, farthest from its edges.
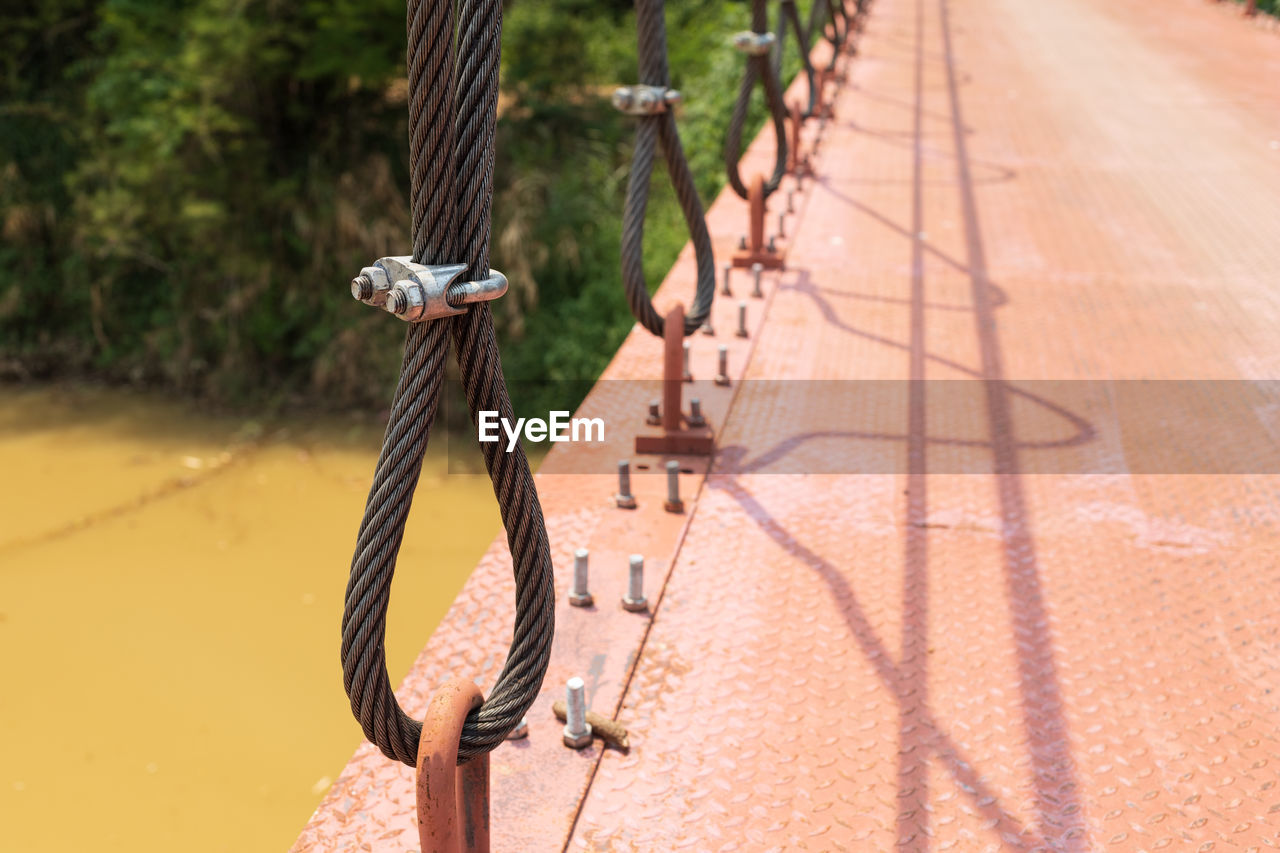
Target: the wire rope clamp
(417, 292)
(452, 799)
(753, 44)
(645, 100)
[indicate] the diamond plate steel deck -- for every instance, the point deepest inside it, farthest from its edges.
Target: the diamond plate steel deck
(920, 660)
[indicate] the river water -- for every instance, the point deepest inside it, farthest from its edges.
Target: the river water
(170, 596)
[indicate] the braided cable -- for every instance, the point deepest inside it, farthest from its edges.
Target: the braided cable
(838, 34)
(788, 14)
(660, 130)
(451, 197)
(480, 366)
(758, 68)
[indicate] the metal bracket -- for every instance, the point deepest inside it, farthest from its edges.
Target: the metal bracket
(418, 292)
(645, 100)
(753, 44)
(678, 434)
(797, 163)
(768, 255)
(452, 799)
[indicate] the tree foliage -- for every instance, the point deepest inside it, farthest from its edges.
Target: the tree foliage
(186, 186)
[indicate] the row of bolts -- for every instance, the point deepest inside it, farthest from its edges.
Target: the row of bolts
(577, 731)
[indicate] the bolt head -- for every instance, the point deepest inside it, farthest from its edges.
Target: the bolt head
(577, 740)
(635, 605)
(622, 98)
(625, 501)
(520, 731)
(673, 506)
(581, 600)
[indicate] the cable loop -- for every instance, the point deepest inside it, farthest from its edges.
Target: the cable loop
(788, 14)
(759, 68)
(451, 153)
(659, 129)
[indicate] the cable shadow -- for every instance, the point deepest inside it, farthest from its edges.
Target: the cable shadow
(898, 102)
(955, 264)
(1059, 820)
(1085, 431)
(1052, 767)
(1001, 297)
(995, 172)
(926, 736)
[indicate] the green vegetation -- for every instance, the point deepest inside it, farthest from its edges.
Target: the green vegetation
(186, 186)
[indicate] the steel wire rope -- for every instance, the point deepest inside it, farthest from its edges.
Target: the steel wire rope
(452, 120)
(654, 130)
(759, 67)
(789, 14)
(822, 13)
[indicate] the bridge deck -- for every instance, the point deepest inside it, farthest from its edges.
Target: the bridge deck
(1010, 614)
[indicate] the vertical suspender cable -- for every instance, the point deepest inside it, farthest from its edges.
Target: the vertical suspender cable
(660, 129)
(452, 116)
(759, 67)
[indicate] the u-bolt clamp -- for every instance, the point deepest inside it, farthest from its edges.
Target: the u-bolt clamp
(452, 798)
(417, 292)
(645, 100)
(753, 44)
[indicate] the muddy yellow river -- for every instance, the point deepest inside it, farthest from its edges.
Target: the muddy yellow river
(170, 595)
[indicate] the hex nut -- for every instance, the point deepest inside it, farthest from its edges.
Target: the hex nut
(577, 741)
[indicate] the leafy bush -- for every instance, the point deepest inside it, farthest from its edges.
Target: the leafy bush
(186, 186)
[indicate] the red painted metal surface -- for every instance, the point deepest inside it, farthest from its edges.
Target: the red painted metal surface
(826, 103)
(757, 251)
(537, 784)
(920, 658)
(452, 799)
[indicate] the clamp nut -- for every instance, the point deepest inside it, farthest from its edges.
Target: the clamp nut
(645, 100)
(371, 286)
(420, 291)
(753, 44)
